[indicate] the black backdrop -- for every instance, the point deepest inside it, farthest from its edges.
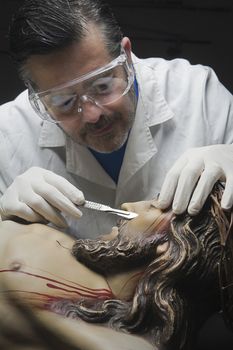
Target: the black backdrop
(199, 30)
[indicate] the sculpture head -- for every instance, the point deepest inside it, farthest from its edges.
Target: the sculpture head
(178, 288)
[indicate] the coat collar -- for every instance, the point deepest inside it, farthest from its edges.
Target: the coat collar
(51, 135)
(153, 101)
(76, 156)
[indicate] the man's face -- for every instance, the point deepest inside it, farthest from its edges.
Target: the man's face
(103, 128)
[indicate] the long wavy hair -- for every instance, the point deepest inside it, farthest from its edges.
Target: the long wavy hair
(177, 290)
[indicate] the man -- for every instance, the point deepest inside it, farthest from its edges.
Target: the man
(111, 125)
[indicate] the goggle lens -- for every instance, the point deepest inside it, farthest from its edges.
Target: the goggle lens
(102, 89)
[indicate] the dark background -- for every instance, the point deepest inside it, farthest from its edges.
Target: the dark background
(199, 30)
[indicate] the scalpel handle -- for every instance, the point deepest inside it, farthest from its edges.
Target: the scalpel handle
(101, 207)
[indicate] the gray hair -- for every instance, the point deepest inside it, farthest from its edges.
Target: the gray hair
(40, 27)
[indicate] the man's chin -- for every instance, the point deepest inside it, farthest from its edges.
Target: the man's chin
(101, 147)
(108, 146)
(104, 144)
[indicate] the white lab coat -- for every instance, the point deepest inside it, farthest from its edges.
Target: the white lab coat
(179, 106)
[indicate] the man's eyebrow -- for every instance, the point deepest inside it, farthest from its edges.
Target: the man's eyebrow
(100, 75)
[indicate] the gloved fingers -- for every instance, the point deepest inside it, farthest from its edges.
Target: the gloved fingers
(54, 197)
(170, 184)
(22, 211)
(12, 205)
(186, 184)
(227, 197)
(210, 175)
(65, 187)
(38, 200)
(44, 210)
(197, 171)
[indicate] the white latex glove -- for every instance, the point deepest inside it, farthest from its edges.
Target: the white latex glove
(192, 177)
(39, 195)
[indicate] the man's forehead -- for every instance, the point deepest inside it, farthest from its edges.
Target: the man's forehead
(75, 60)
(48, 76)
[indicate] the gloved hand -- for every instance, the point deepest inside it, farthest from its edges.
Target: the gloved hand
(38, 195)
(192, 177)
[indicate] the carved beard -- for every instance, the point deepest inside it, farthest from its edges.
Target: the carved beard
(123, 252)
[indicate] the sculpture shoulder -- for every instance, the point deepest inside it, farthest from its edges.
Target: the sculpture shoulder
(32, 237)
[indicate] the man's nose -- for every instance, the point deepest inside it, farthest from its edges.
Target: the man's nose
(91, 111)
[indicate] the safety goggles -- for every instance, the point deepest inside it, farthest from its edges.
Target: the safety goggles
(100, 87)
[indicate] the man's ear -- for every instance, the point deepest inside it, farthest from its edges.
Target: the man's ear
(126, 44)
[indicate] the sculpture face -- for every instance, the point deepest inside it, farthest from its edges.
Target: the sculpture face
(149, 217)
(150, 220)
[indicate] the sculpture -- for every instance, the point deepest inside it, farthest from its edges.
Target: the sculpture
(152, 281)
